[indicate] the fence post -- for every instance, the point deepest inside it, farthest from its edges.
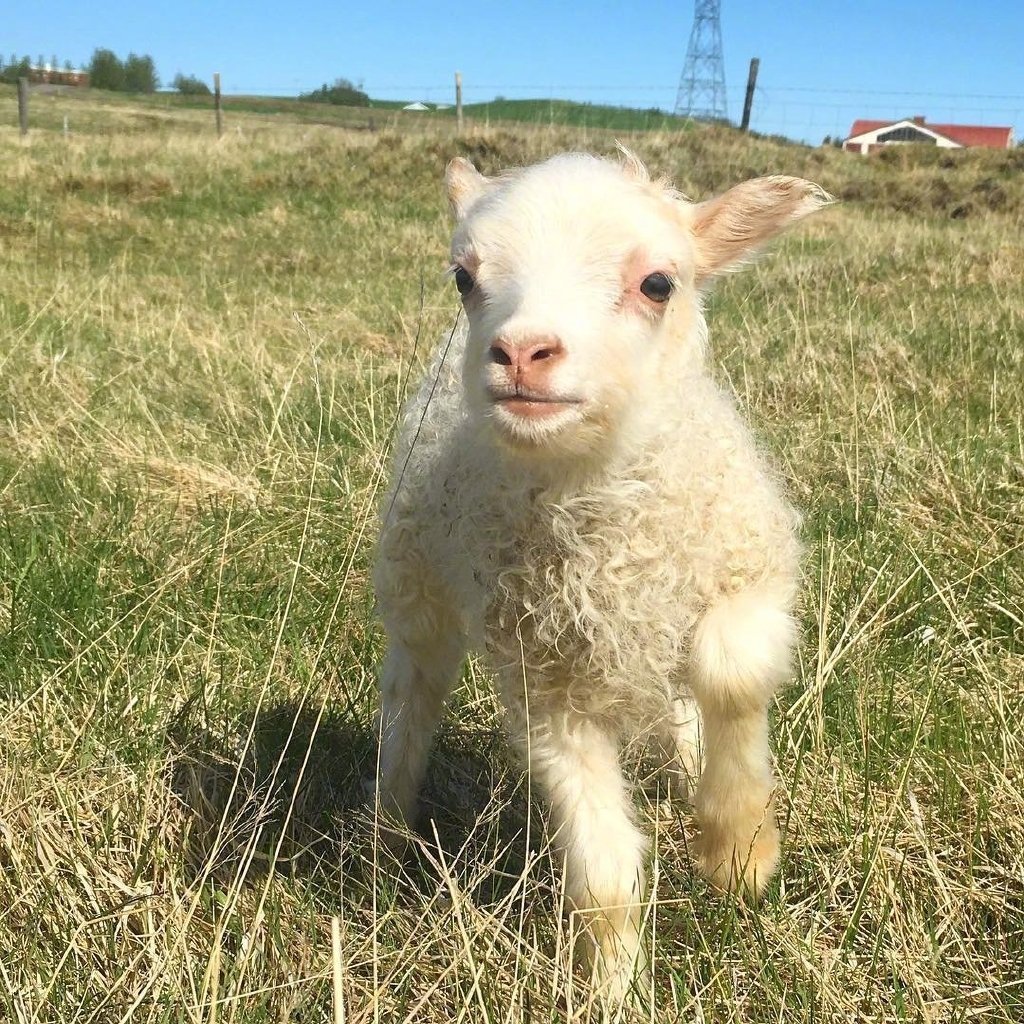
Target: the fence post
(748, 102)
(216, 103)
(23, 105)
(458, 100)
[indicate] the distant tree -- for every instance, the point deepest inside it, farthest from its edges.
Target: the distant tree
(68, 66)
(54, 63)
(14, 69)
(106, 71)
(342, 93)
(189, 85)
(40, 61)
(140, 74)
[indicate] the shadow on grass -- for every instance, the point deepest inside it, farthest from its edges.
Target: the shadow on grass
(293, 799)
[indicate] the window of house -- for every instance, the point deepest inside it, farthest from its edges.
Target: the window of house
(907, 134)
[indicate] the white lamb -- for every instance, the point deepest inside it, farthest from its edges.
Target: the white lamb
(576, 498)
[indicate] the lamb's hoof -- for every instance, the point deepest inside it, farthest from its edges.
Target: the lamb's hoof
(622, 983)
(613, 949)
(393, 837)
(743, 866)
(388, 823)
(625, 996)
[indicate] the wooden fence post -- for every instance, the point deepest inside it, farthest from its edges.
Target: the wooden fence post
(216, 104)
(748, 101)
(23, 105)
(458, 100)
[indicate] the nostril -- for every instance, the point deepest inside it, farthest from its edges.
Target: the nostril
(522, 353)
(548, 348)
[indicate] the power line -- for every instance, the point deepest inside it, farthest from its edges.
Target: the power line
(637, 87)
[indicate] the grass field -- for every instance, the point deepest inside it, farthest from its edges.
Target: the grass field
(203, 346)
(93, 110)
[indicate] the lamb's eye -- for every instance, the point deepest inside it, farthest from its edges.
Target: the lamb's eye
(463, 280)
(657, 287)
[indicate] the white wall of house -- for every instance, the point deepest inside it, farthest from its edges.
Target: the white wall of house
(863, 143)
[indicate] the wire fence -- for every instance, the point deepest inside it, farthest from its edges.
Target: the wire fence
(808, 113)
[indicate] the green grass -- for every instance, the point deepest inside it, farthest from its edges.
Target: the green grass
(203, 347)
(88, 109)
(577, 115)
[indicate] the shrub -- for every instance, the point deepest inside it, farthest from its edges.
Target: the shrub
(15, 69)
(140, 74)
(189, 85)
(342, 93)
(135, 74)
(106, 71)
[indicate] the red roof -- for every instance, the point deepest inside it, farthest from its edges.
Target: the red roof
(965, 134)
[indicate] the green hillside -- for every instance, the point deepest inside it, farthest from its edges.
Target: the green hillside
(380, 113)
(581, 115)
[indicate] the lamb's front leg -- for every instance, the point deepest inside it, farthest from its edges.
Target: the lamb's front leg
(415, 680)
(741, 652)
(576, 765)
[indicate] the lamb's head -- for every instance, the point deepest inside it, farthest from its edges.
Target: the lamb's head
(581, 281)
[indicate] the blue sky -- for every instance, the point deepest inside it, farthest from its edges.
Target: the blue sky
(822, 63)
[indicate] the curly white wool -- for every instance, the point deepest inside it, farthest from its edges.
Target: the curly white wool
(593, 593)
(575, 497)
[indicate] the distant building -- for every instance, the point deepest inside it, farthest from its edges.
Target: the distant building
(47, 75)
(869, 136)
(416, 106)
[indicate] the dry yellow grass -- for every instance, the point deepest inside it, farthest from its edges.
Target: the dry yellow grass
(203, 346)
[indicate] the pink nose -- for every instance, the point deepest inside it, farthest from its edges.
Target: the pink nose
(526, 354)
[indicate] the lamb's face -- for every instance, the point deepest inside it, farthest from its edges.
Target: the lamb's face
(580, 281)
(566, 272)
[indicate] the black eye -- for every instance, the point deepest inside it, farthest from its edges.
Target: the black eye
(463, 280)
(657, 287)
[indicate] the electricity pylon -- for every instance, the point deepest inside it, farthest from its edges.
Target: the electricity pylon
(702, 85)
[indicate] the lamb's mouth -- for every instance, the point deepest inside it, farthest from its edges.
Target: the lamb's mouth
(531, 404)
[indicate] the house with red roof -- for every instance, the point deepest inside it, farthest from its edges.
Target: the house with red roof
(44, 74)
(869, 136)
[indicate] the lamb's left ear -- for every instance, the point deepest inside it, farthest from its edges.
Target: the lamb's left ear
(464, 183)
(730, 227)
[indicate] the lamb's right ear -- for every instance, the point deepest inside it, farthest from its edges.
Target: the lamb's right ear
(464, 183)
(731, 227)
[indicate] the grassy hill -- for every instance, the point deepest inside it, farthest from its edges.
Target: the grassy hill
(381, 113)
(579, 115)
(204, 346)
(958, 184)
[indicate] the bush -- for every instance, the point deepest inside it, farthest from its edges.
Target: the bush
(189, 85)
(140, 74)
(15, 69)
(106, 71)
(343, 93)
(136, 74)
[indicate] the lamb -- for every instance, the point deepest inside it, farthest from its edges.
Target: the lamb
(577, 499)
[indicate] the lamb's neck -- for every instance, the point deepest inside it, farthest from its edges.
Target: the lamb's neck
(559, 479)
